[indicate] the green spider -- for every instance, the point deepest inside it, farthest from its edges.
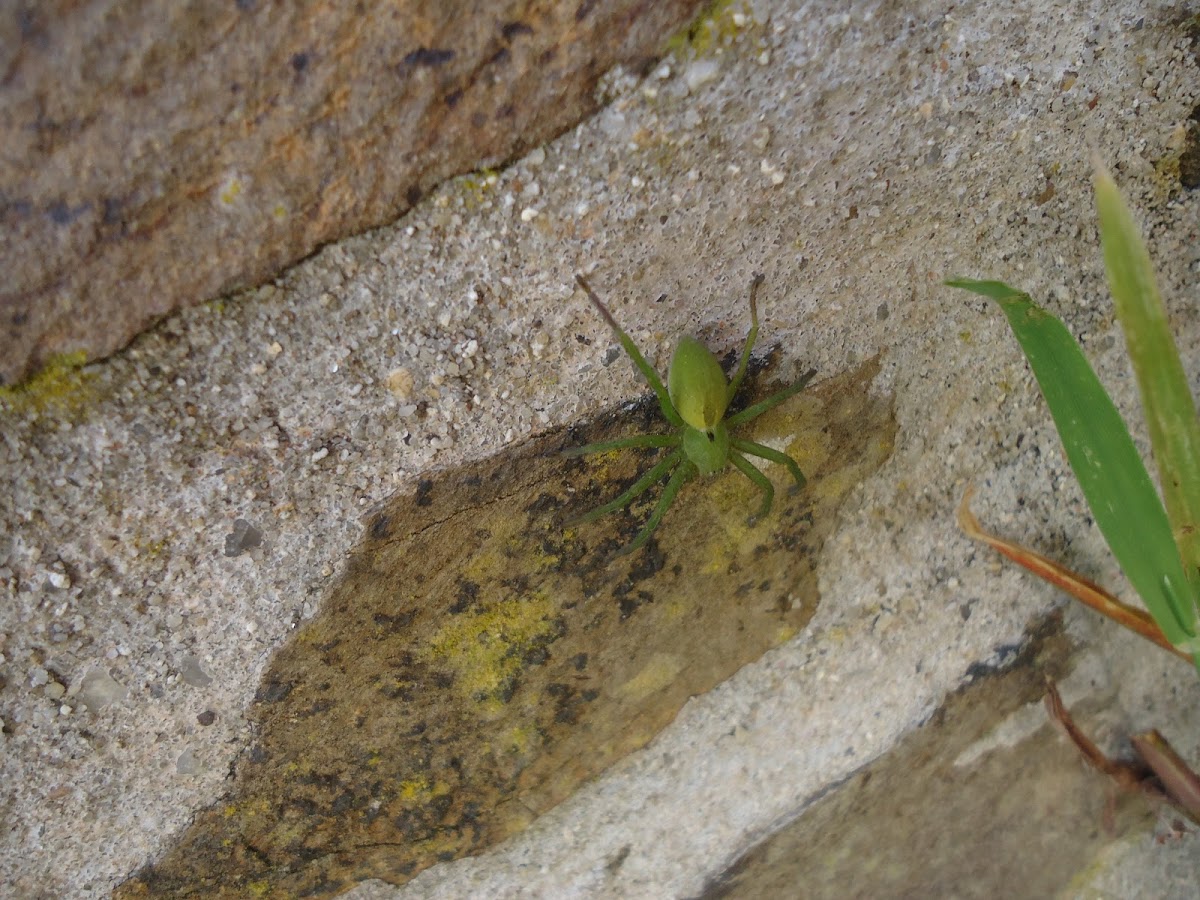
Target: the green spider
(695, 404)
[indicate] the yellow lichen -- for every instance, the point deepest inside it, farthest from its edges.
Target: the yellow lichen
(785, 633)
(261, 806)
(289, 833)
(735, 498)
(718, 22)
(230, 190)
(519, 739)
(676, 608)
(487, 649)
(61, 387)
(414, 790)
(661, 671)
(475, 186)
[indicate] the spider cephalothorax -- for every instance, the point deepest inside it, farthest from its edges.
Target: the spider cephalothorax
(694, 401)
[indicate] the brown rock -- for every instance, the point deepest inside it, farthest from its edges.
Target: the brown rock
(155, 157)
(479, 662)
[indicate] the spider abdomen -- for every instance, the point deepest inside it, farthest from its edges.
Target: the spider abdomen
(696, 384)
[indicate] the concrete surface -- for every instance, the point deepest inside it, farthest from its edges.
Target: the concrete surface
(856, 154)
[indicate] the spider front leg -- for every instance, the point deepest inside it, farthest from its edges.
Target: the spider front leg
(751, 412)
(774, 456)
(751, 337)
(637, 441)
(681, 476)
(640, 486)
(635, 355)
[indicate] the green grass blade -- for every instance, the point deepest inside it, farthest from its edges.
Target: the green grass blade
(1102, 455)
(1167, 401)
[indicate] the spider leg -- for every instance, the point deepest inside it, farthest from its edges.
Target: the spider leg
(751, 337)
(747, 468)
(678, 478)
(640, 486)
(639, 440)
(771, 402)
(773, 455)
(664, 399)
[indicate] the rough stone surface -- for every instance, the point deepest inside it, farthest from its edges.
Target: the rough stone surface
(158, 155)
(480, 662)
(986, 795)
(856, 154)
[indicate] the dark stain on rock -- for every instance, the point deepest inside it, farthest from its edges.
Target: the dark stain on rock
(381, 527)
(485, 664)
(393, 623)
(1189, 159)
(468, 593)
(428, 57)
(421, 497)
(64, 214)
(272, 692)
(511, 30)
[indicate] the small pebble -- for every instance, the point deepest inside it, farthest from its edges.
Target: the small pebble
(192, 673)
(400, 383)
(700, 73)
(100, 689)
(243, 537)
(187, 764)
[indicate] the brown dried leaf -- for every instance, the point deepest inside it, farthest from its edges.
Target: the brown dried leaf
(1082, 589)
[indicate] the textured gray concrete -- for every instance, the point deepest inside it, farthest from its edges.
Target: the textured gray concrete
(856, 154)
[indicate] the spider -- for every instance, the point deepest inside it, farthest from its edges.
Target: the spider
(694, 402)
